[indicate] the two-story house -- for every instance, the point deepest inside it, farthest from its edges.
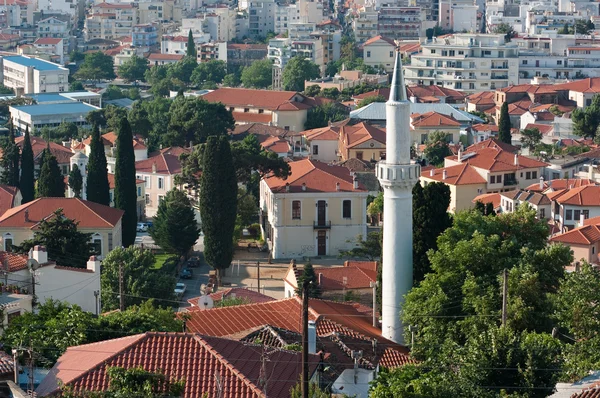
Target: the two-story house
(511, 200)
(318, 210)
(158, 173)
(572, 206)
(109, 141)
(422, 125)
(322, 143)
(361, 141)
(584, 241)
(464, 181)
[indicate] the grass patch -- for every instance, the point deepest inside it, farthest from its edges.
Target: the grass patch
(160, 260)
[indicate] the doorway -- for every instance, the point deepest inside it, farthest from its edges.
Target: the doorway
(322, 243)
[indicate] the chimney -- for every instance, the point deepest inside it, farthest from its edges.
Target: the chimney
(459, 154)
(337, 186)
(413, 99)
(154, 168)
(312, 337)
(355, 181)
(320, 277)
(93, 264)
(445, 174)
(541, 183)
(516, 159)
(304, 186)
(40, 254)
(431, 172)
(287, 187)
(591, 172)
(581, 219)
(26, 215)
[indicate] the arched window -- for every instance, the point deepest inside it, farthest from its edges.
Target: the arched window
(97, 244)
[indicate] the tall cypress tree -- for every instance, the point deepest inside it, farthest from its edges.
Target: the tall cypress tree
(98, 188)
(218, 203)
(125, 191)
(10, 160)
(504, 125)
(51, 183)
(191, 46)
(27, 181)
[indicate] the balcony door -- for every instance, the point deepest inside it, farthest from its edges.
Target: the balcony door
(321, 212)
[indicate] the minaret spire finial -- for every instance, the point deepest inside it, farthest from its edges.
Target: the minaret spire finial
(398, 89)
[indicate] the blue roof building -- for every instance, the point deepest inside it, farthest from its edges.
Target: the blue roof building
(27, 75)
(50, 114)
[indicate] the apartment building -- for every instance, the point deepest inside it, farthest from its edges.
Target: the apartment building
(364, 24)
(379, 52)
(31, 75)
(212, 51)
(465, 62)
(155, 11)
(400, 22)
(145, 36)
(53, 47)
(261, 17)
(53, 27)
(110, 21)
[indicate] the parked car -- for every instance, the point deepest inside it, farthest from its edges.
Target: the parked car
(142, 227)
(193, 262)
(180, 289)
(185, 273)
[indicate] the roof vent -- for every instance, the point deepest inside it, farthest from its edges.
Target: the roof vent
(431, 172)
(26, 215)
(287, 187)
(337, 186)
(444, 175)
(304, 186)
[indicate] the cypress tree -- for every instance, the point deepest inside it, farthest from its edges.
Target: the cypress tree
(10, 160)
(218, 203)
(504, 125)
(308, 274)
(27, 182)
(191, 46)
(98, 188)
(51, 183)
(76, 181)
(16, 155)
(125, 190)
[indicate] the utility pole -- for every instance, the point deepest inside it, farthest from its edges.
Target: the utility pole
(305, 339)
(16, 365)
(258, 276)
(121, 292)
(373, 286)
(33, 300)
(504, 295)
(96, 294)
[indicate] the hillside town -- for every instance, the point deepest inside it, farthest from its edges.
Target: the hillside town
(299, 198)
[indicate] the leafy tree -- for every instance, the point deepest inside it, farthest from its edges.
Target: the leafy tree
(369, 100)
(486, 209)
(247, 208)
(297, 71)
(76, 86)
(133, 69)
(140, 120)
(504, 125)
(430, 220)
(6, 90)
(157, 116)
(96, 66)
(508, 31)
(564, 30)
(125, 185)
(331, 93)
(76, 181)
(218, 197)
(193, 119)
(112, 93)
(133, 94)
(182, 70)
(583, 27)
(140, 280)
(9, 163)
(369, 248)
(258, 75)
(308, 274)
(175, 228)
(231, 80)
(320, 116)
(437, 149)
(76, 56)
(97, 188)
(211, 71)
(587, 120)
(50, 182)
(96, 118)
(531, 138)
(376, 206)
(155, 74)
(312, 91)
(64, 243)
(66, 131)
(191, 46)
(27, 181)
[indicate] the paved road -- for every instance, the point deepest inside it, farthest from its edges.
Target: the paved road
(199, 277)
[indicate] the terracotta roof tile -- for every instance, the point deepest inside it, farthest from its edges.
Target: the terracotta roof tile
(377, 38)
(166, 161)
(47, 40)
(340, 278)
(266, 99)
(14, 261)
(7, 197)
(493, 198)
(587, 195)
(87, 214)
(249, 117)
(589, 85)
(496, 159)
(584, 235)
(238, 292)
(545, 129)
(485, 127)
(314, 176)
(560, 184)
(483, 97)
(260, 129)
(165, 57)
(276, 144)
(328, 133)
(462, 174)
(109, 139)
(591, 392)
(433, 119)
(357, 134)
(62, 154)
(492, 143)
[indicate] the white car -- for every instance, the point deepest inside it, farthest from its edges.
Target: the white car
(142, 227)
(180, 289)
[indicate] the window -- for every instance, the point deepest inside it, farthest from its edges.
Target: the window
(160, 198)
(524, 62)
(261, 111)
(534, 174)
(147, 181)
(97, 244)
(246, 110)
(586, 214)
(110, 241)
(559, 62)
(147, 198)
(391, 54)
(492, 179)
(577, 215)
(528, 175)
(8, 242)
(359, 155)
(139, 192)
(347, 209)
(315, 149)
(296, 211)
(542, 213)
(368, 54)
(110, 197)
(569, 215)
(161, 183)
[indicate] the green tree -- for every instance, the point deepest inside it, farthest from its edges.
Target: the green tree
(97, 187)
(369, 248)
(96, 118)
(369, 100)
(182, 70)
(66, 131)
(191, 46)
(308, 274)
(297, 71)
(112, 93)
(504, 125)
(258, 75)
(175, 228)
(9, 163)
(133, 93)
(211, 71)
(314, 391)
(530, 138)
(155, 74)
(27, 181)
(76, 181)
(133, 69)
(312, 91)
(583, 27)
(587, 120)
(437, 149)
(139, 119)
(486, 209)
(140, 280)
(50, 182)
(96, 66)
(320, 116)
(76, 86)
(218, 197)
(63, 241)
(125, 185)
(76, 56)
(247, 208)
(231, 80)
(430, 220)
(376, 206)
(193, 119)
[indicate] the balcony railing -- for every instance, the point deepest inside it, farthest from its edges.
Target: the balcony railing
(508, 183)
(322, 224)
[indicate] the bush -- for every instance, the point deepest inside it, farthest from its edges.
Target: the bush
(254, 230)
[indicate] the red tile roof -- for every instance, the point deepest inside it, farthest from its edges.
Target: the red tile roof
(236, 46)
(47, 40)
(165, 57)
(591, 392)
(589, 85)
(462, 174)
(276, 144)
(348, 277)
(545, 129)
(87, 214)
(587, 195)
(7, 197)
(492, 143)
(166, 161)
(314, 176)
(258, 129)
(378, 38)
(199, 360)
(360, 133)
(181, 39)
(236, 292)
(113, 5)
(585, 235)
(243, 97)
(249, 117)
(14, 261)
(485, 127)
(496, 159)
(493, 198)
(482, 98)
(62, 154)
(530, 88)
(328, 133)
(433, 119)
(109, 139)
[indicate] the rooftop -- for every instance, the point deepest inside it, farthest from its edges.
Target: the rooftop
(164, 161)
(55, 109)
(36, 63)
(462, 174)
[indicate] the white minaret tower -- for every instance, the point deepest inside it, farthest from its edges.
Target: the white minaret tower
(397, 176)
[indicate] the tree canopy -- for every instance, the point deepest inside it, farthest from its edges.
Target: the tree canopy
(97, 188)
(258, 75)
(133, 69)
(125, 182)
(96, 66)
(9, 163)
(504, 125)
(586, 120)
(296, 71)
(50, 182)
(76, 181)
(437, 149)
(531, 137)
(27, 180)
(308, 274)
(320, 116)
(213, 71)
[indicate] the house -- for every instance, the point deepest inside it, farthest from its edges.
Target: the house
(32, 75)
(573, 205)
(361, 141)
(481, 101)
(8, 42)
(511, 200)
(322, 143)
(241, 131)
(493, 198)
(62, 154)
(277, 145)
(158, 172)
(379, 53)
(207, 365)
(55, 282)
(559, 184)
(164, 59)
(419, 94)
(109, 140)
(247, 296)
(584, 241)
(422, 125)
(464, 181)
(314, 212)
(351, 282)
(9, 197)
(51, 46)
(103, 222)
(481, 132)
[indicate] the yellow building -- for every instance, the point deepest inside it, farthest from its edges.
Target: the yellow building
(317, 211)
(361, 141)
(464, 182)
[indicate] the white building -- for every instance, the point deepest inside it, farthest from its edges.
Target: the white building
(364, 25)
(50, 115)
(110, 21)
(31, 75)
(379, 52)
(52, 47)
(53, 27)
(469, 62)
(261, 17)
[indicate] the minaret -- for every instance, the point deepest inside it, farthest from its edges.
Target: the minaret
(397, 176)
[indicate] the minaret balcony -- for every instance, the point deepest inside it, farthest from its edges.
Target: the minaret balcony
(398, 174)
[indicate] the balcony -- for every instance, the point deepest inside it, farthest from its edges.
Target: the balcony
(322, 224)
(510, 183)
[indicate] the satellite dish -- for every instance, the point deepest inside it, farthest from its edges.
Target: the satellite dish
(205, 303)
(33, 264)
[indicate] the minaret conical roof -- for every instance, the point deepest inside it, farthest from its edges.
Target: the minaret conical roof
(398, 89)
